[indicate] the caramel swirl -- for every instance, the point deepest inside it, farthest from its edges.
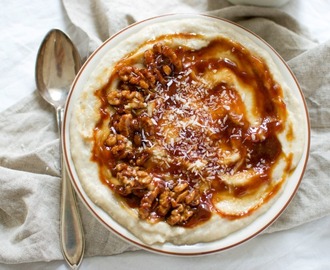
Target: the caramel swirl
(185, 133)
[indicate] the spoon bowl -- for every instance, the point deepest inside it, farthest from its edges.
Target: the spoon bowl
(58, 62)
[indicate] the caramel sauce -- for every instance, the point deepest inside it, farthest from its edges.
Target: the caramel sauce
(218, 120)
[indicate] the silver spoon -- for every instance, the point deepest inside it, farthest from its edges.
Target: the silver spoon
(58, 62)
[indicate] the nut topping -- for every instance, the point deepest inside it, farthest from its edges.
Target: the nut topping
(174, 139)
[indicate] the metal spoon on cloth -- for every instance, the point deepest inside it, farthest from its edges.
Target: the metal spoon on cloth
(58, 62)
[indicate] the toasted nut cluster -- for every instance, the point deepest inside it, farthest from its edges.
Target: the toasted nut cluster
(120, 146)
(136, 76)
(132, 129)
(175, 203)
(160, 61)
(132, 180)
(178, 204)
(169, 58)
(130, 99)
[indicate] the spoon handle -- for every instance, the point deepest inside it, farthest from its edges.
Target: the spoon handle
(72, 235)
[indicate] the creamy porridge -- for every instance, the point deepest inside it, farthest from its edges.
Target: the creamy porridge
(185, 132)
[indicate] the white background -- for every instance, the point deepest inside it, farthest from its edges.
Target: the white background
(23, 25)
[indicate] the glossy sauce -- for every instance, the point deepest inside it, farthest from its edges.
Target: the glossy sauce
(215, 119)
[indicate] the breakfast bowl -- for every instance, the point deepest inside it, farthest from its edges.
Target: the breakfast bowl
(186, 134)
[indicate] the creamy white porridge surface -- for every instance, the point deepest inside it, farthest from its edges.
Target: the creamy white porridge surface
(185, 132)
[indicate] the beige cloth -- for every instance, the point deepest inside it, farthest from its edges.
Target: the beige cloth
(29, 167)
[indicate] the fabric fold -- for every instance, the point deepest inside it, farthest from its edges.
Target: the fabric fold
(29, 148)
(30, 187)
(312, 200)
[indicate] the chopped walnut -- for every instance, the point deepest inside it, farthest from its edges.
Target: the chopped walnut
(149, 58)
(137, 76)
(166, 51)
(121, 150)
(180, 187)
(131, 179)
(126, 98)
(179, 215)
(155, 188)
(124, 125)
(143, 157)
(164, 203)
(150, 77)
(192, 198)
(120, 167)
(147, 125)
(111, 140)
(176, 207)
(135, 100)
(182, 196)
(119, 145)
(143, 177)
(131, 131)
(115, 97)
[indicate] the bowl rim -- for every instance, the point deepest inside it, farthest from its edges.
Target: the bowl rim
(94, 208)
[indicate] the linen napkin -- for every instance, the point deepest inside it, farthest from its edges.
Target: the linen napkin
(29, 158)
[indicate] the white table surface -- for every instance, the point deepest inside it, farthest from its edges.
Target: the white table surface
(23, 25)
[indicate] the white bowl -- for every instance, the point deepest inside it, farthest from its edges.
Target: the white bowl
(264, 3)
(233, 239)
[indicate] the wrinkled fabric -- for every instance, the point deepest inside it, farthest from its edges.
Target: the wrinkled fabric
(29, 148)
